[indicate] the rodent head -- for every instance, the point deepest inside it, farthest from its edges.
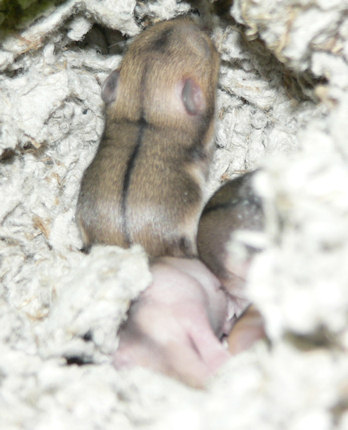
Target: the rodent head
(233, 208)
(167, 77)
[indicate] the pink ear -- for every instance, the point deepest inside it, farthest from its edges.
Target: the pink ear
(192, 97)
(109, 87)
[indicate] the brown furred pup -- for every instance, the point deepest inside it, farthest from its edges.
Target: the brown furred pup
(234, 207)
(145, 183)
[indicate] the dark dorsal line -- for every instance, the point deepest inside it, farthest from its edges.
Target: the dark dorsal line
(162, 40)
(142, 124)
(220, 206)
(127, 179)
(230, 205)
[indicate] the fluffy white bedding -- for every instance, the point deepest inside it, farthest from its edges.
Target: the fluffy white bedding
(283, 105)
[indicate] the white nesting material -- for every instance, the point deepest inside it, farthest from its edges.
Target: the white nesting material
(57, 302)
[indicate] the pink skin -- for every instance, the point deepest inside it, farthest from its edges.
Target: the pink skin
(176, 324)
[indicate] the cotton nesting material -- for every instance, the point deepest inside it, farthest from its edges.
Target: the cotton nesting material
(59, 305)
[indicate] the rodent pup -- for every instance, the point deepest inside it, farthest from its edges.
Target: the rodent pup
(176, 324)
(234, 207)
(145, 183)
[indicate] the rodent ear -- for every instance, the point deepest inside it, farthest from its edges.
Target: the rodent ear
(192, 97)
(109, 87)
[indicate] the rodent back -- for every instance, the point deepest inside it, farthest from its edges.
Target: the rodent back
(164, 90)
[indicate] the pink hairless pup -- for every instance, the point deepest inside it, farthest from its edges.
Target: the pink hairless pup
(177, 324)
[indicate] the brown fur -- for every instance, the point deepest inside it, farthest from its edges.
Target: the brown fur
(145, 182)
(234, 206)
